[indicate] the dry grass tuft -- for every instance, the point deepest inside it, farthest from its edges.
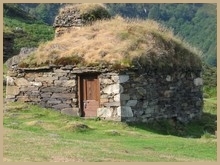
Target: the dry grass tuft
(34, 123)
(76, 127)
(121, 43)
(42, 124)
(82, 7)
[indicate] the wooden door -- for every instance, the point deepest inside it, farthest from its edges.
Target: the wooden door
(89, 95)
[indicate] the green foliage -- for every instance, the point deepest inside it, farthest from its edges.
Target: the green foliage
(28, 35)
(27, 30)
(209, 76)
(5, 69)
(210, 106)
(42, 11)
(92, 12)
(154, 13)
(207, 135)
(13, 10)
(196, 23)
(209, 92)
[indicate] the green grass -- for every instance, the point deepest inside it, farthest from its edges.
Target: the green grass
(32, 34)
(210, 92)
(5, 69)
(34, 134)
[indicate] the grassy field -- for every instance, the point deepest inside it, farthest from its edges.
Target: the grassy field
(34, 134)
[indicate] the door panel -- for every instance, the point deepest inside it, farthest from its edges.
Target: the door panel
(90, 108)
(89, 95)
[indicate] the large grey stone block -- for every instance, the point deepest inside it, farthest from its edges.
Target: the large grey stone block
(53, 101)
(113, 89)
(125, 111)
(104, 112)
(29, 88)
(23, 98)
(61, 106)
(112, 104)
(198, 81)
(53, 89)
(65, 83)
(131, 103)
(9, 81)
(63, 95)
(22, 82)
(46, 79)
(124, 97)
(38, 84)
(141, 91)
(69, 83)
(123, 78)
(106, 81)
(12, 90)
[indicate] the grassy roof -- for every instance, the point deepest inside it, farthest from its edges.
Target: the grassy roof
(118, 42)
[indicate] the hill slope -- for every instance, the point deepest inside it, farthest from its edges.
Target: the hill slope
(27, 31)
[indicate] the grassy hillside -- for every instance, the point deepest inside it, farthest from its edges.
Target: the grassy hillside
(42, 11)
(34, 134)
(210, 81)
(28, 31)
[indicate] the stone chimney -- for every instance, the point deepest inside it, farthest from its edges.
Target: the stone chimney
(73, 17)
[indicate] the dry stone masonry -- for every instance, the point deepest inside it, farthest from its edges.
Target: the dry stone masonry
(135, 97)
(73, 17)
(49, 87)
(131, 95)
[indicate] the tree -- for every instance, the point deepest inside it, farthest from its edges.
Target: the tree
(154, 13)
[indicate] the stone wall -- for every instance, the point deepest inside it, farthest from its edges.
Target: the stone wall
(49, 87)
(110, 91)
(146, 96)
(73, 17)
(131, 96)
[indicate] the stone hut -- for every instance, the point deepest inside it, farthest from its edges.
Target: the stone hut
(135, 72)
